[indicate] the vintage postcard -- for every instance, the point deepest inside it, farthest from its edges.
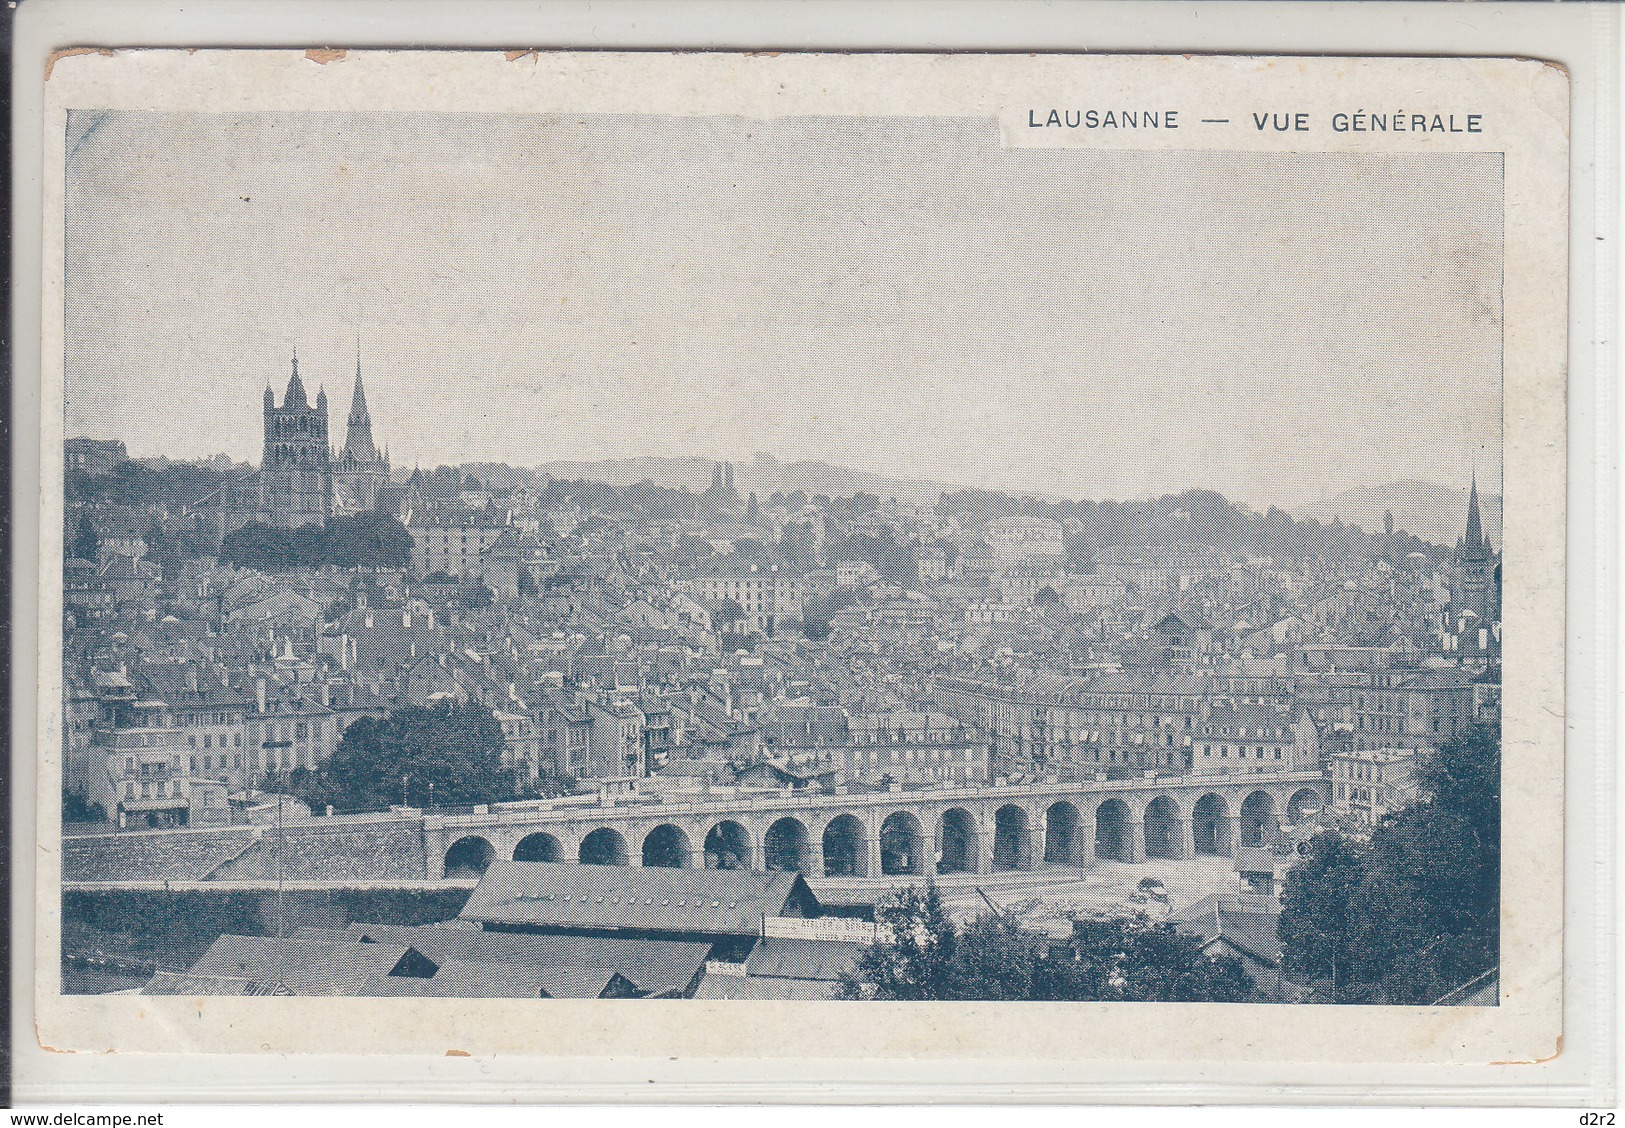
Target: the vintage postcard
(823, 556)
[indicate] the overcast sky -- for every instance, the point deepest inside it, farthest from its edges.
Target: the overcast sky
(901, 296)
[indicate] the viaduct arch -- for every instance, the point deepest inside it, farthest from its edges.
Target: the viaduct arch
(897, 833)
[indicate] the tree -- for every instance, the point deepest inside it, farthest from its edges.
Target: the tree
(912, 961)
(87, 542)
(995, 958)
(1316, 907)
(77, 808)
(751, 550)
(728, 616)
(1417, 912)
(1427, 918)
(372, 539)
(1136, 959)
(364, 540)
(692, 548)
(260, 547)
(1047, 598)
(922, 954)
(455, 747)
(475, 596)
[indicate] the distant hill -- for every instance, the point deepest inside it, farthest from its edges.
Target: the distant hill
(1434, 513)
(763, 475)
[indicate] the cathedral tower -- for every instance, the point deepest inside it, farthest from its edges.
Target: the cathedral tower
(296, 482)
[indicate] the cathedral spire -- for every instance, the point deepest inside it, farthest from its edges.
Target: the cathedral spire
(358, 442)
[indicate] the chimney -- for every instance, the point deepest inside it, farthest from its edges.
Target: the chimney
(369, 620)
(259, 693)
(191, 678)
(326, 694)
(406, 618)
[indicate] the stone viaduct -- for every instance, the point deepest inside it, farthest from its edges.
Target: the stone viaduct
(976, 829)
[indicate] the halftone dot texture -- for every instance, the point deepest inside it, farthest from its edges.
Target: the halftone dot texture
(896, 295)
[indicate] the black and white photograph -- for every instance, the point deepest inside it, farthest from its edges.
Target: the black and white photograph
(786, 557)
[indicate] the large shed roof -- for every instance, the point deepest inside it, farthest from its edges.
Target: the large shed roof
(656, 966)
(651, 899)
(785, 958)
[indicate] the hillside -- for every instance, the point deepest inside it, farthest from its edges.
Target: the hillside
(763, 475)
(1434, 513)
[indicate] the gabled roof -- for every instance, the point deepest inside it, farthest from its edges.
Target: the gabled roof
(172, 683)
(1183, 621)
(119, 568)
(1254, 933)
(656, 966)
(1255, 859)
(655, 899)
(1451, 678)
(1250, 716)
(782, 958)
(309, 967)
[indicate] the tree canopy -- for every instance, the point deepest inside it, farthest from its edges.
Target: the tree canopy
(925, 955)
(455, 747)
(363, 540)
(1414, 913)
(170, 485)
(1316, 904)
(86, 542)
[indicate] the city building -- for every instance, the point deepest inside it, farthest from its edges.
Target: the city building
(456, 542)
(1368, 783)
(1234, 739)
(93, 456)
(1412, 709)
(1024, 538)
(615, 739)
(768, 595)
(649, 902)
(301, 480)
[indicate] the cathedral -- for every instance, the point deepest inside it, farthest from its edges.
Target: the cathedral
(301, 480)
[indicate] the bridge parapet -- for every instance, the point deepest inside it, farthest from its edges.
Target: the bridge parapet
(665, 810)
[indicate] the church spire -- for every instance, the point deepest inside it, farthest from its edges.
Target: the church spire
(358, 442)
(1475, 527)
